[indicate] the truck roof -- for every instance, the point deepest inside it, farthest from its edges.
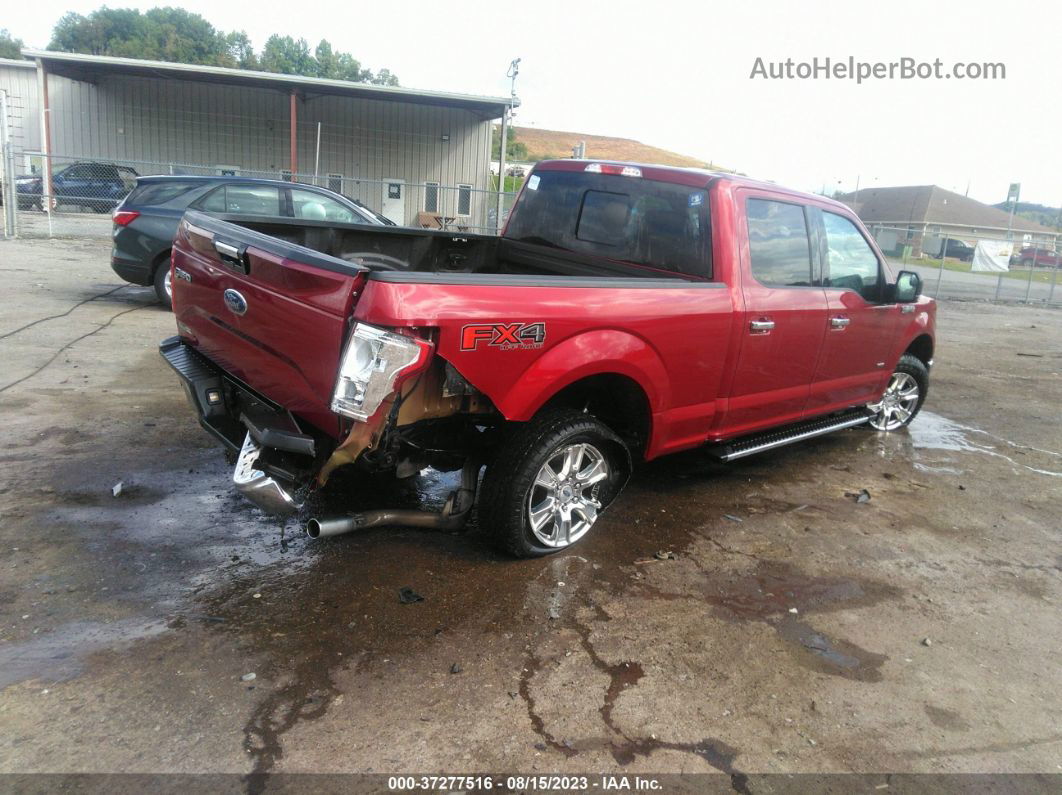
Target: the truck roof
(694, 177)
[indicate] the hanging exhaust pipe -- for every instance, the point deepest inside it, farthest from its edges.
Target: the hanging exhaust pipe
(454, 514)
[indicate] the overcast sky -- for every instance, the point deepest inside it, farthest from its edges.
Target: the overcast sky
(677, 75)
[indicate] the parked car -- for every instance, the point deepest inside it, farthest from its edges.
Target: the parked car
(1031, 256)
(98, 186)
(516, 171)
(958, 249)
(146, 220)
(628, 311)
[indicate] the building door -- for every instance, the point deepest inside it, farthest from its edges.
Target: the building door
(394, 200)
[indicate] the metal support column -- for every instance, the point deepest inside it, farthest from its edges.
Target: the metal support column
(7, 149)
(294, 117)
(46, 141)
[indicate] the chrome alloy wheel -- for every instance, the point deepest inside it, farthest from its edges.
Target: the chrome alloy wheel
(562, 504)
(897, 404)
(167, 283)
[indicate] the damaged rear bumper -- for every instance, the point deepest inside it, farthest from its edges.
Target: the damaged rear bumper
(274, 455)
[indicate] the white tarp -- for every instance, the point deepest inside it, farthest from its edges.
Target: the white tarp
(992, 255)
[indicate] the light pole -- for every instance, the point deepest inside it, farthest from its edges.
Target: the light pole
(514, 70)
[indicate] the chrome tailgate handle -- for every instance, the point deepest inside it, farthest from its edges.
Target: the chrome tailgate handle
(761, 326)
(233, 255)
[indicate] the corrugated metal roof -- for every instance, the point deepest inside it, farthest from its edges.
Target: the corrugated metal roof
(13, 62)
(79, 66)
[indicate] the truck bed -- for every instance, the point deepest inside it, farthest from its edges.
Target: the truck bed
(404, 249)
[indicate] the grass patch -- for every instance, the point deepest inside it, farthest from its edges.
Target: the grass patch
(512, 184)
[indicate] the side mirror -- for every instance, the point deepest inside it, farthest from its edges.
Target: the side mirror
(908, 287)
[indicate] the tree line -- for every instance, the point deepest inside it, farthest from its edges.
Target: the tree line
(176, 35)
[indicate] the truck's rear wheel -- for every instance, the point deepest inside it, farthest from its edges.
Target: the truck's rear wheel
(903, 397)
(550, 482)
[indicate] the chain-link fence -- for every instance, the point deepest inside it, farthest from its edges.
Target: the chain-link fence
(76, 195)
(951, 263)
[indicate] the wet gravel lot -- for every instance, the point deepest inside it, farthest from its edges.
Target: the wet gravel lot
(793, 629)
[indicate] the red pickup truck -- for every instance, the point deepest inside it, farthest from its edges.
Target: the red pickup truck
(628, 311)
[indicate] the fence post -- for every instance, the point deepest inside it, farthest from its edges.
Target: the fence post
(940, 273)
(999, 286)
(1028, 284)
(1054, 278)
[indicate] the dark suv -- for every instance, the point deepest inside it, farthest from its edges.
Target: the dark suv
(98, 186)
(146, 221)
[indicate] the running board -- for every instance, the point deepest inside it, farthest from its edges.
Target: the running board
(750, 445)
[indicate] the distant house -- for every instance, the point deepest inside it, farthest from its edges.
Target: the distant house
(922, 215)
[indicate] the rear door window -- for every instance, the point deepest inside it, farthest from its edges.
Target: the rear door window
(243, 200)
(779, 244)
(659, 225)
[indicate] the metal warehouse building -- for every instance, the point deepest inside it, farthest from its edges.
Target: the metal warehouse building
(413, 155)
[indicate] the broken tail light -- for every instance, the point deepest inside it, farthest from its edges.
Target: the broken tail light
(374, 363)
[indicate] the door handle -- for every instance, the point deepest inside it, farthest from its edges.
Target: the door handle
(839, 322)
(761, 326)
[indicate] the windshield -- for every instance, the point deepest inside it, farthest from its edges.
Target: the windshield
(658, 225)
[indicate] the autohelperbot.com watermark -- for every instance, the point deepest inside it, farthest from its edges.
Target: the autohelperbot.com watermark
(850, 68)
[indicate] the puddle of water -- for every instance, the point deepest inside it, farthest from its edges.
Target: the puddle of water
(933, 432)
(59, 655)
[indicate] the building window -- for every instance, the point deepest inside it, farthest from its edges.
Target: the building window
(431, 197)
(335, 183)
(285, 174)
(464, 200)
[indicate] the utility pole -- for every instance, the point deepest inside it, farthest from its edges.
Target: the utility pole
(514, 70)
(1015, 192)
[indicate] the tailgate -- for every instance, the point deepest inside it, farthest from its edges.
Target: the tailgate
(270, 313)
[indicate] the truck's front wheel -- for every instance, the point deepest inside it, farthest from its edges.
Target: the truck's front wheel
(550, 482)
(903, 397)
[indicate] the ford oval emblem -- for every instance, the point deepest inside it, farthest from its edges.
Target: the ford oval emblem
(236, 303)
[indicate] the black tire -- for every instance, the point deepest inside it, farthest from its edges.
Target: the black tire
(162, 272)
(913, 368)
(508, 482)
(1026, 263)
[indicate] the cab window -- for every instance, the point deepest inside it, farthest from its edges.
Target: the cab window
(779, 245)
(851, 262)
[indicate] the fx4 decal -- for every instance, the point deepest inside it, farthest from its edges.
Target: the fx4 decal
(506, 336)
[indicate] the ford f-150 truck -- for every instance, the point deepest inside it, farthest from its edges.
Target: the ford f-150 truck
(626, 312)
